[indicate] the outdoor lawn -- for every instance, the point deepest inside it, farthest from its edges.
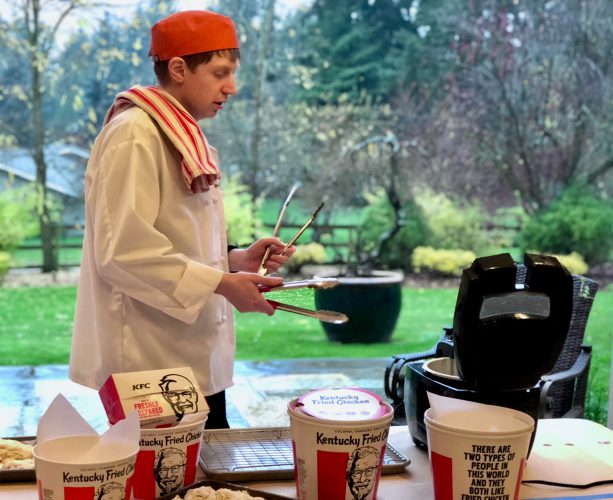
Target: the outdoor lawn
(36, 330)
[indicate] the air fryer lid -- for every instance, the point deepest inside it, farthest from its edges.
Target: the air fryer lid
(508, 336)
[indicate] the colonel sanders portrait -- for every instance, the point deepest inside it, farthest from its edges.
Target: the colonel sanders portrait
(362, 467)
(111, 491)
(180, 394)
(170, 469)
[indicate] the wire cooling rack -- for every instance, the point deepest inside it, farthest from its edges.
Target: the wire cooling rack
(263, 454)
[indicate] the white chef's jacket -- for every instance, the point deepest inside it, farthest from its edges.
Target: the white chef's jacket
(153, 253)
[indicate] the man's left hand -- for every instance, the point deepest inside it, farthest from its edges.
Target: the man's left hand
(249, 259)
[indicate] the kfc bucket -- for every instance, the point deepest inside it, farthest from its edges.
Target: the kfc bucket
(476, 450)
(339, 438)
(168, 458)
(67, 468)
(74, 462)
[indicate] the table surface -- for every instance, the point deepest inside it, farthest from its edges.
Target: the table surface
(415, 483)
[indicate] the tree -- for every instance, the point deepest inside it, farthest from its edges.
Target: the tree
(533, 81)
(32, 41)
(96, 65)
(344, 45)
(246, 131)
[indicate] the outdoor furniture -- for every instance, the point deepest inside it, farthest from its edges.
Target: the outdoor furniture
(563, 389)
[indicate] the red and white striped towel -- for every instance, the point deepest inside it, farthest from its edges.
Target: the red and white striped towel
(198, 162)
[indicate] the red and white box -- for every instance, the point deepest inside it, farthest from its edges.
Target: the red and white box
(168, 458)
(338, 438)
(160, 397)
(476, 450)
(74, 462)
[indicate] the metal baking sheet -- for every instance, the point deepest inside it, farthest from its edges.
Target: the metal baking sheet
(19, 475)
(263, 453)
(217, 485)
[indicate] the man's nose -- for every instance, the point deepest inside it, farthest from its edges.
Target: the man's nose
(230, 86)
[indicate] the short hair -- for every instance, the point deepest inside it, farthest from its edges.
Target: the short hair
(192, 61)
(109, 487)
(169, 452)
(360, 453)
(166, 380)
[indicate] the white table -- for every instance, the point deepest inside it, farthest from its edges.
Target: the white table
(589, 455)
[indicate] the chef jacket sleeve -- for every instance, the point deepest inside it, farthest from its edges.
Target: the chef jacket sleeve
(131, 254)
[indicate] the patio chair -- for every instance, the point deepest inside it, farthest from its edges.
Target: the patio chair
(563, 389)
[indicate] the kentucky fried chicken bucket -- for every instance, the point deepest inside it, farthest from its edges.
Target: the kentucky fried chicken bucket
(339, 438)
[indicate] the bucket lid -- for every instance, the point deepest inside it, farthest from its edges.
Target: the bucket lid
(345, 403)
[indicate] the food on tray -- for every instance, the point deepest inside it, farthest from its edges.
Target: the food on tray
(15, 455)
(208, 493)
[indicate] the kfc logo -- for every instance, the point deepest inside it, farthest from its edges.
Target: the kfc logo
(180, 394)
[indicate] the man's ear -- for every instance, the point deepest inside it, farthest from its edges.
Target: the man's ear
(177, 68)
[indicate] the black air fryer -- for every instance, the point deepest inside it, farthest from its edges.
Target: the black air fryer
(505, 336)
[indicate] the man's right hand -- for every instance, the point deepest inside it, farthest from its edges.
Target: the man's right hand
(241, 290)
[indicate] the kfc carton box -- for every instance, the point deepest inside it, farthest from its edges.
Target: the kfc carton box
(160, 397)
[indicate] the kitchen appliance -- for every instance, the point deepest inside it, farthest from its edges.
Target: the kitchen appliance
(507, 333)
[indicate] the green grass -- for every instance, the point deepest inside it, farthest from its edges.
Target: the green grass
(36, 325)
(287, 335)
(36, 328)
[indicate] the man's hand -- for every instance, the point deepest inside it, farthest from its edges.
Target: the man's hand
(241, 290)
(249, 259)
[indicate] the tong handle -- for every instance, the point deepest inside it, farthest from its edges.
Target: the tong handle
(273, 303)
(293, 309)
(262, 269)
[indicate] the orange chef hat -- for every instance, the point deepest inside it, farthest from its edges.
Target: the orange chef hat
(191, 32)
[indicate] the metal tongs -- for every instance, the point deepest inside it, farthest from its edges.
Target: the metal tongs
(323, 315)
(262, 270)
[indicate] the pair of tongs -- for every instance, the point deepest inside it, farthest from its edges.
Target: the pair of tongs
(275, 232)
(323, 315)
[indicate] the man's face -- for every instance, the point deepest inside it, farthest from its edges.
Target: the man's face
(182, 400)
(362, 478)
(208, 88)
(170, 472)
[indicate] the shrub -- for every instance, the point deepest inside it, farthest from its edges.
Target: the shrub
(311, 253)
(573, 262)
(242, 225)
(442, 261)
(377, 220)
(18, 218)
(577, 221)
(452, 224)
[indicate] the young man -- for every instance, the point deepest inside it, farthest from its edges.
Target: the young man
(157, 282)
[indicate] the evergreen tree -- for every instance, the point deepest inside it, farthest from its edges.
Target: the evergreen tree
(345, 46)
